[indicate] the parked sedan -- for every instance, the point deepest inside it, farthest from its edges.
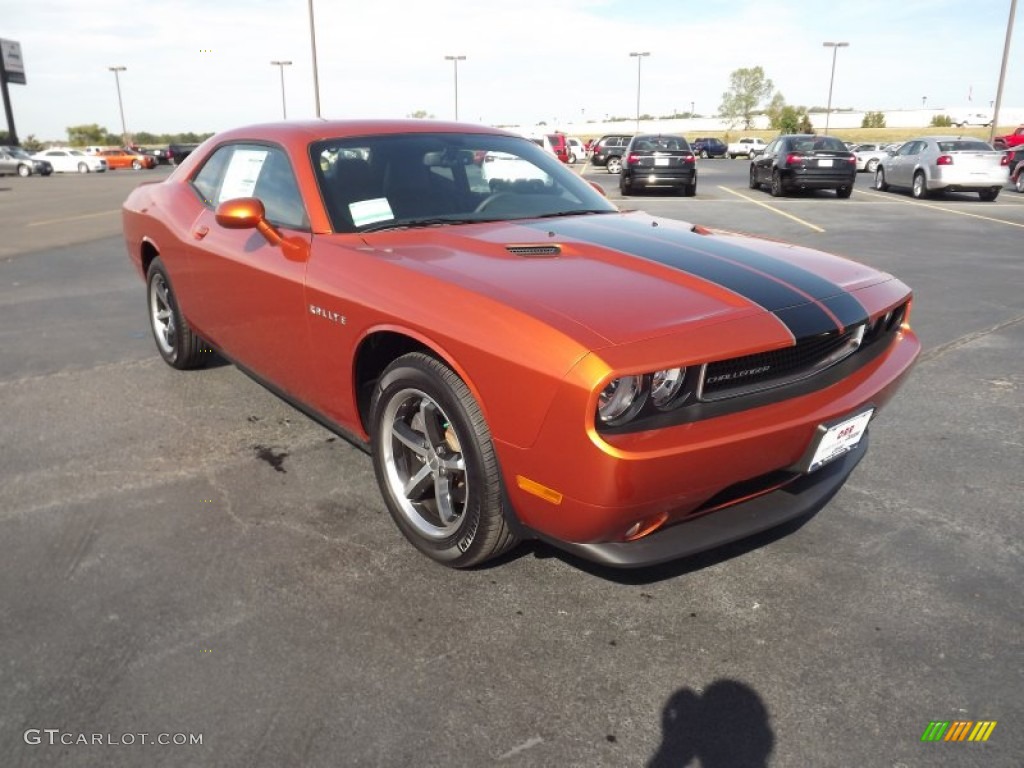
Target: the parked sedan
(121, 158)
(65, 160)
(658, 161)
(525, 361)
(943, 164)
(15, 160)
(804, 161)
(868, 155)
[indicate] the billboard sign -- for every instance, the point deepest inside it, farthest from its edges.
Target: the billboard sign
(13, 65)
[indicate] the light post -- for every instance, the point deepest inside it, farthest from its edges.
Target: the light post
(455, 63)
(692, 110)
(639, 57)
(835, 48)
(281, 65)
(994, 106)
(120, 104)
(312, 42)
(924, 100)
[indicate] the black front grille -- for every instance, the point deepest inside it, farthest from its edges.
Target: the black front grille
(763, 370)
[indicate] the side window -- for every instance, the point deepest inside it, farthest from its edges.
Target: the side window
(277, 189)
(207, 181)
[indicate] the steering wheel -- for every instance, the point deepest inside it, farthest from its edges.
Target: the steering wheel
(487, 201)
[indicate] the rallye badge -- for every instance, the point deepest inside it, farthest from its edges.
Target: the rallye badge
(326, 314)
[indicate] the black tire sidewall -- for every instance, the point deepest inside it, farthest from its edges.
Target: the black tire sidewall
(156, 267)
(421, 372)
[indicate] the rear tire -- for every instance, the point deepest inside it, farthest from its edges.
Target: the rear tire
(753, 178)
(435, 463)
(690, 190)
(177, 345)
(704, 154)
(24, 171)
(614, 165)
(919, 188)
(844, 192)
(83, 168)
(1019, 184)
(776, 188)
(136, 165)
(988, 195)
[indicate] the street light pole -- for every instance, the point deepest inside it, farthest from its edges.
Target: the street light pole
(312, 42)
(835, 48)
(281, 65)
(639, 56)
(1002, 71)
(455, 63)
(120, 104)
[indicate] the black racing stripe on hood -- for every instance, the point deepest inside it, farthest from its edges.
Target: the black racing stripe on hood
(800, 315)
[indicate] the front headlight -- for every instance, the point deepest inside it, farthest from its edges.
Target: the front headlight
(621, 399)
(665, 385)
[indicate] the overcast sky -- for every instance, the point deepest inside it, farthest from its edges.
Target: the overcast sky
(204, 65)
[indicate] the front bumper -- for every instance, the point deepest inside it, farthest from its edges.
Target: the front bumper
(806, 495)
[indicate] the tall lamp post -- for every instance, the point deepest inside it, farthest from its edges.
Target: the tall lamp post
(835, 48)
(1002, 72)
(639, 57)
(281, 65)
(120, 104)
(455, 63)
(312, 43)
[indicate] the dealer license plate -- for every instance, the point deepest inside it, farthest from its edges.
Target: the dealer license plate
(839, 439)
(662, 160)
(824, 163)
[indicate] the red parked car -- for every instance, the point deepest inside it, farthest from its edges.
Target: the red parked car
(520, 359)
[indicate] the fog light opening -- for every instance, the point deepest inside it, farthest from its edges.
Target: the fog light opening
(648, 525)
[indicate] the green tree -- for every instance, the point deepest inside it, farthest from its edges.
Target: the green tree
(774, 110)
(873, 120)
(805, 124)
(81, 135)
(941, 121)
(5, 137)
(31, 144)
(421, 114)
(748, 87)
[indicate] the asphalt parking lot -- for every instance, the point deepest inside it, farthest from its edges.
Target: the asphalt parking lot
(182, 554)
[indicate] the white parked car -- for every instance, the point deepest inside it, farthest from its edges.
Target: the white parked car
(937, 164)
(577, 151)
(868, 155)
(502, 171)
(67, 160)
(966, 119)
(747, 147)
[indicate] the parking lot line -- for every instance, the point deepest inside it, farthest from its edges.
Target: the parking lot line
(881, 195)
(71, 218)
(773, 209)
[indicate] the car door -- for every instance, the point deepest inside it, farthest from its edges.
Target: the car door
(903, 163)
(58, 159)
(764, 162)
(251, 294)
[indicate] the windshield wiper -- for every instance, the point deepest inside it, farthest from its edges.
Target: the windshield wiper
(568, 213)
(433, 222)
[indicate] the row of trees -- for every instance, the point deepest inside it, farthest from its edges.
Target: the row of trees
(94, 134)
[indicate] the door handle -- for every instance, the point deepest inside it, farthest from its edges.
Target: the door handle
(200, 232)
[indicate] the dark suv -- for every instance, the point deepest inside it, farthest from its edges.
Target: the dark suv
(658, 160)
(708, 147)
(608, 151)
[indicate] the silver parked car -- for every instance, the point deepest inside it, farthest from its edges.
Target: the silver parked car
(868, 155)
(943, 164)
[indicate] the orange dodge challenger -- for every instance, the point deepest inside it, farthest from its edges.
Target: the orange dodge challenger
(520, 358)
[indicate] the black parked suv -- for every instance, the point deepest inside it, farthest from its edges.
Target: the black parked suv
(658, 160)
(708, 147)
(608, 151)
(804, 161)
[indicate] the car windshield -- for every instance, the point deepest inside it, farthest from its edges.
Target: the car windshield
(660, 144)
(434, 179)
(76, 153)
(819, 144)
(20, 153)
(964, 146)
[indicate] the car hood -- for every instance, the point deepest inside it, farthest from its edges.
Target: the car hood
(629, 276)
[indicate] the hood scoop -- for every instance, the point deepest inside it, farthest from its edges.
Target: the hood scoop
(534, 251)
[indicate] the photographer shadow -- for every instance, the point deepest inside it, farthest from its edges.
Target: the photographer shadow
(725, 727)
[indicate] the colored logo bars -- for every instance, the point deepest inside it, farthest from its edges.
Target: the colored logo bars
(958, 730)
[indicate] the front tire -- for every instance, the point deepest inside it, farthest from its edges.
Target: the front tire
(614, 165)
(880, 183)
(136, 165)
(435, 463)
(704, 154)
(83, 168)
(24, 171)
(872, 165)
(177, 344)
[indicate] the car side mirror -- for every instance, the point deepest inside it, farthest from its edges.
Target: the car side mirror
(598, 187)
(247, 213)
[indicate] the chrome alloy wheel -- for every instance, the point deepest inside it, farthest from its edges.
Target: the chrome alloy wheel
(161, 315)
(424, 464)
